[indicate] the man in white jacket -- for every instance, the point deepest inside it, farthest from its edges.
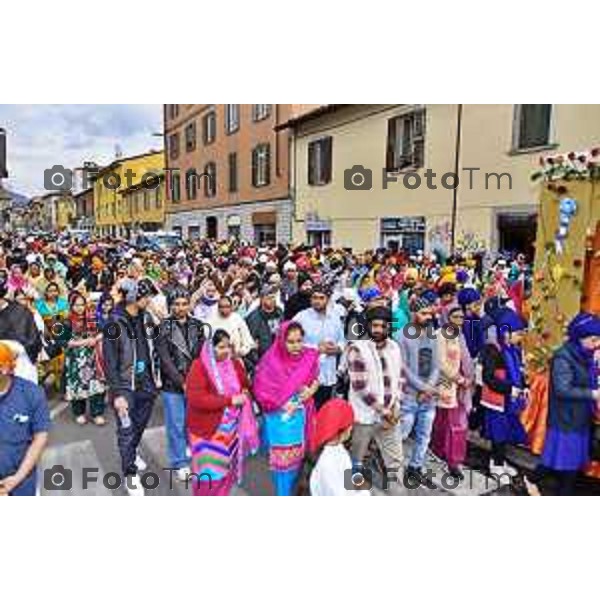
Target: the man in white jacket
(375, 372)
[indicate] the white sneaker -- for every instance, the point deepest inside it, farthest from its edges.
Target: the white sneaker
(183, 474)
(134, 487)
(140, 463)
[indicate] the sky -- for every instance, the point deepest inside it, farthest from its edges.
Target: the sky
(42, 135)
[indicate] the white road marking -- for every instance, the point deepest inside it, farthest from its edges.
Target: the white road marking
(58, 410)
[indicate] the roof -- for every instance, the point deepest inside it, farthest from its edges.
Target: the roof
(309, 116)
(140, 184)
(89, 190)
(123, 159)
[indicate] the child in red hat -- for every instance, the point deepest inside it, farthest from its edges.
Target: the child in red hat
(330, 477)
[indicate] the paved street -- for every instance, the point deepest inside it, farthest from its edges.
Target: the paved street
(90, 447)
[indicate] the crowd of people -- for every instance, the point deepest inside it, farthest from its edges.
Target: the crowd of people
(316, 357)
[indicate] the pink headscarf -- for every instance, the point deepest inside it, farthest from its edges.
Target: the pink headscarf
(222, 374)
(280, 374)
(17, 281)
(226, 381)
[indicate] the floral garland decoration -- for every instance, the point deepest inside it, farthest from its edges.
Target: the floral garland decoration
(572, 166)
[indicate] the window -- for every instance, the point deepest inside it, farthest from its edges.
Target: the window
(406, 142)
(173, 111)
(209, 127)
(210, 180)
(319, 239)
(265, 235)
(174, 146)
(190, 137)
(261, 165)
(260, 111)
(136, 203)
(158, 199)
(234, 231)
(175, 187)
(191, 184)
(232, 117)
(319, 161)
(194, 232)
(146, 200)
(233, 176)
(532, 126)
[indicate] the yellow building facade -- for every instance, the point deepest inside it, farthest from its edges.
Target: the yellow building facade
(493, 148)
(65, 212)
(113, 212)
(144, 205)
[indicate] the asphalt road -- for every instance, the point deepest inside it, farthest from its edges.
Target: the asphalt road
(76, 448)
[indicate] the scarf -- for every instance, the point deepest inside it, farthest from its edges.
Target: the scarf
(225, 380)
(101, 320)
(17, 282)
(280, 375)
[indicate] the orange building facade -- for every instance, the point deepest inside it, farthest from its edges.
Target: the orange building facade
(228, 171)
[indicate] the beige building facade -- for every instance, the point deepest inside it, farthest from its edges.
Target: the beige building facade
(495, 147)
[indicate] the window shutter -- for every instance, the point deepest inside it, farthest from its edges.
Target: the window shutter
(390, 161)
(419, 139)
(267, 164)
(254, 167)
(311, 163)
(327, 157)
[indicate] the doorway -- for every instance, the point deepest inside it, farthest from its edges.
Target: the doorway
(212, 228)
(517, 233)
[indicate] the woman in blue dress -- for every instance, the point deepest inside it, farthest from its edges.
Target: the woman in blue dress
(573, 399)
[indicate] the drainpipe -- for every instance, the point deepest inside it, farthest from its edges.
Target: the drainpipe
(456, 167)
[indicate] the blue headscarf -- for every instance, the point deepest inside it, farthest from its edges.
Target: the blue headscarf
(370, 293)
(100, 320)
(508, 321)
(468, 296)
(582, 326)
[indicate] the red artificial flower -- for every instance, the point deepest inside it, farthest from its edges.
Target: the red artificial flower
(582, 158)
(595, 152)
(561, 189)
(571, 155)
(578, 263)
(546, 336)
(550, 160)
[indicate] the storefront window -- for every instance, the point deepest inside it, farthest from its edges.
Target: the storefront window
(265, 235)
(319, 239)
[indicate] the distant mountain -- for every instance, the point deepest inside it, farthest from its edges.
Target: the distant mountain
(18, 199)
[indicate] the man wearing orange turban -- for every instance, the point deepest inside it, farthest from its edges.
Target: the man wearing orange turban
(24, 425)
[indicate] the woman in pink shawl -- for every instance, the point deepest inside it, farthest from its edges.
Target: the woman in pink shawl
(221, 425)
(449, 439)
(286, 379)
